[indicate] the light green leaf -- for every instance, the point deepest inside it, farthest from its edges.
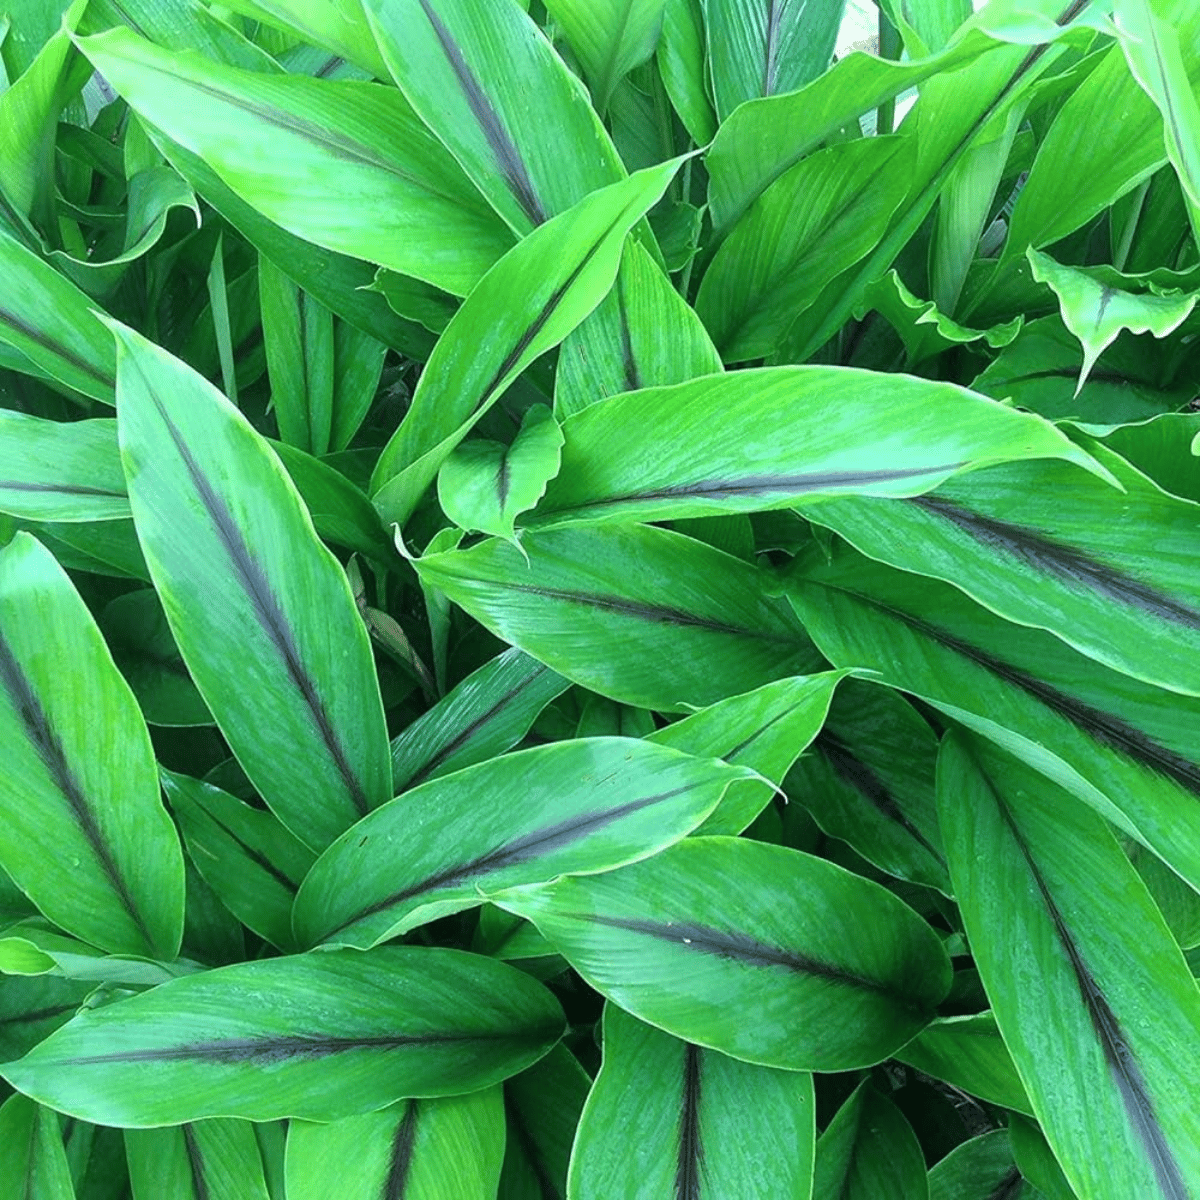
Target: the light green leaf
(813, 222)
(344, 164)
(755, 51)
(1095, 312)
(35, 947)
(84, 833)
(298, 335)
(1107, 1040)
(766, 730)
(839, 972)
(818, 431)
(668, 1118)
(681, 64)
(315, 1036)
(261, 611)
(60, 470)
(526, 305)
(639, 614)
(441, 1149)
(244, 854)
(484, 486)
(570, 807)
(358, 359)
(485, 715)
(217, 1158)
(869, 1152)
(339, 27)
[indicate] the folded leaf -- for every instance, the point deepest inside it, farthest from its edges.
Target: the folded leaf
(1108, 1041)
(839, 972)
(526, 305)
(261, 611)
(84, 832)
(578, 806)
(60, 470)
(295, 148)
(642, 615)
(316, 1037)
(488, 713)
(818, 431)
(668, 1118)
(446, 1147)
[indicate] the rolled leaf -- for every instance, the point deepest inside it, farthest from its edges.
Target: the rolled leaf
(84, 833)
(668, 1118)
(450, 1148)
(488, 713)
(261, 611)
(1124, 747)
(295, 148)
(766, 729)
(60, 471)
(526, 305)
(819, 431)
(641, 615)
(577, 806)
(203, 1158)
(1107, 1042)
(316, 1037)
(841, 972)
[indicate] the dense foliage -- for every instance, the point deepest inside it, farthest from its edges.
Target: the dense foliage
(594, 603)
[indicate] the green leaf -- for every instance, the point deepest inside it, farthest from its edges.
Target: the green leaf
(202, 1159)
(136, 630)
(571, 807)
(358, 359)
(639, 614)
(34, 947)
(337, 27)
(84, 833)
(642, 334)
(1036, 1160)
(261, 611)
(60, 470)
(1078, 562)
(819, 431)
(484, 486)
(543, 1105)
(869, 1152)
(244, 854)
(682, 66)
(485, 715)
(49, 319)
(980, 1169)
(294, 148)
(1124, 747)
(754, 53)
(870, 783)
(34, 1164)
(1096, 312)
(475, 76)
(526, 305)
(668, 1118)
(32, 1008)
(443, 1149)
(1106, 1041)
(609, 38)
(814, 221)
(766, 730)
(316, 1037)
(969, 1054)
(298, 334)
(839, 972)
